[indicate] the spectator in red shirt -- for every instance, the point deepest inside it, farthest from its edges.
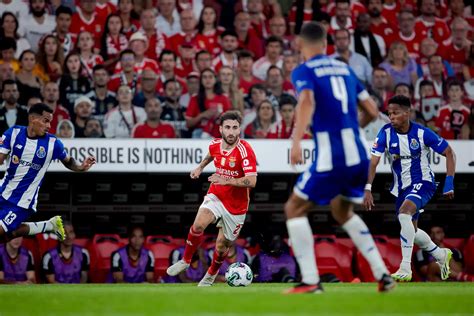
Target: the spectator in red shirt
(188, 33)
(139, 44)
(248, 38)
(153, 127)
(456, 49)
(185, 63)
(265, 124)
(203, 60)
(457, 8)
(51, 57)
(301, 12)
(453, 116)
(245, 65)
(257, 17)
(86, 19)
(128, 76)
(104, 7)
(157, 40)
(85, 46)
(129, 17)
(342, 16)
(378, 24)
(406, 33)
(205, 108)
(430, 25)
(278, 28)
(228, 57)
(113, 41)
(468, 68)
(208, 29)
(50, 93)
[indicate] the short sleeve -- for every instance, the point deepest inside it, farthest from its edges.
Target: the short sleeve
(5, 142)
(380, 143)
(193, 108)
(301, 79)
(59, 151)
(116, 262)
(435, 142)
(249, 162)
(150, 265)
(85, 260)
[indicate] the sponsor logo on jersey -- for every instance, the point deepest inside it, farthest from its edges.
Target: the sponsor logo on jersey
(232, 162)
(414, 144)
(394, 145)
(225, 172)
(19, 146)
(41, 152)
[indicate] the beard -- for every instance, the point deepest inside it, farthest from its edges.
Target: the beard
(233, 139)
(95, 134)
(39, 13)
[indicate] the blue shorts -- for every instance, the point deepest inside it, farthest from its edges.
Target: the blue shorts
(11, 215)
(322, 187)
(419, 193)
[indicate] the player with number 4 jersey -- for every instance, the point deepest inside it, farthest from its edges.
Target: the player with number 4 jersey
(329, 94)
(408, 146)
(227, 200)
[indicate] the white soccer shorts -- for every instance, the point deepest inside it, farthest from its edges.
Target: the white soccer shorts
(230, 224)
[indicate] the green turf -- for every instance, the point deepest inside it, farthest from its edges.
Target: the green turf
(257, 299)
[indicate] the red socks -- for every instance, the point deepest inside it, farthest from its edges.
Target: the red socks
(217, 262)
(192, 243)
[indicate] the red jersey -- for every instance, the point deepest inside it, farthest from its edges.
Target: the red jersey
(163, 130)
(390, 13)
(307, 15)
(120, 79)
(253, 43)
(220, 61)
(455, 56)
(245, 86)
(156, 44)
(413, 42)
(103, 10)
(197, 40)
(59, 114)
(95, 26)
(439, 31)
(356, 9)
(383, 29)
(88, 64)
(183, 69)
(212, 40)
(132, 28)
(219, 102)
(275, 131)
(139, 67)
(236, 163)
(450, 122)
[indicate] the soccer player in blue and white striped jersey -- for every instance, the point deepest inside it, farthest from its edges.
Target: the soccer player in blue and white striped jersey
(408, 147)
(328, 96)
(31, 150)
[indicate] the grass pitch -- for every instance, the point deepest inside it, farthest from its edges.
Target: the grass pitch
(222, 300)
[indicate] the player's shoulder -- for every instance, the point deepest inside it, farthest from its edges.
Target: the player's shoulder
(215, 142)
(386, 126)
(244, 148)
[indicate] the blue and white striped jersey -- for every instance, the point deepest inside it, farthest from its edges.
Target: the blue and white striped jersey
(29, 160)
(335, 126)
(408, 154)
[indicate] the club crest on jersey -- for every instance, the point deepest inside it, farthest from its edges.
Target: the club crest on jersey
(41, 152)
(232, 162)
(414, 144)
(15, 159)
(222, 161)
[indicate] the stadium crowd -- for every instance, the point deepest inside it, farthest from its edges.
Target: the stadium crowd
(169, 68)
(140, 258)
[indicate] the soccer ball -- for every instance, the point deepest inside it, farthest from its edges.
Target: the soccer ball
(239, 274)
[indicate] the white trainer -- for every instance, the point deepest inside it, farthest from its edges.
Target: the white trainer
(207, 280)
(177, 268)
(444, 264)
(402, 276)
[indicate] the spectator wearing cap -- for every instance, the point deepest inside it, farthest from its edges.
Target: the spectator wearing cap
(244, 69)
(188, 33)
(358, 62)
(38, 23)
(61, 30)
(11, 113)
(157, 40)
(273, 57)
(139, 44)
(9, 28)
(167, 66)
(372, 46)
(18, 8)
(93, 128)
(173, 110)
(7, 53)
(86, 19)
(65, 130)
(147, 88)
(228, 56)
(129, 17)
(192, 83)
(186, 61)
(203, 60)
(128, 76)
(168, 18)
(103, 99)
(153, 127)
(119, 121)
(73, 83)
(83, 108)
(50, 94)
(248, 38)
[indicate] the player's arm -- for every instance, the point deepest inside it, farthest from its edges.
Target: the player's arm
(377, 150)
(197, 172)
(244, 182)
(117, 267)
(3, 157)
(303, 115)
(72, 164)
(448, 189)
(369, 109)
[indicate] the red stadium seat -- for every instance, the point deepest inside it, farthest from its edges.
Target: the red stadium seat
(161, 251)
(469, 255)
(332, 257)
(101, 248)
(457, 243)
(82, 242)
(390, 253)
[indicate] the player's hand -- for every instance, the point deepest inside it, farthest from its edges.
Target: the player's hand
(368, 200)
(88, 163)
(296, 156)
(448, 189)
(217, 179)
(196, 173)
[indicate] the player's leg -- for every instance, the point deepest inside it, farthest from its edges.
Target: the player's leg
(343, 212)
(204, 217)
(302, 243)
(442, 255)
(220, 253)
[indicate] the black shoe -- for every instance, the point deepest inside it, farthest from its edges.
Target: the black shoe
(386, 283)
(305, 288)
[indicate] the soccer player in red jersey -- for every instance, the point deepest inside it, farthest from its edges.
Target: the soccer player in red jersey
(227, 200)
